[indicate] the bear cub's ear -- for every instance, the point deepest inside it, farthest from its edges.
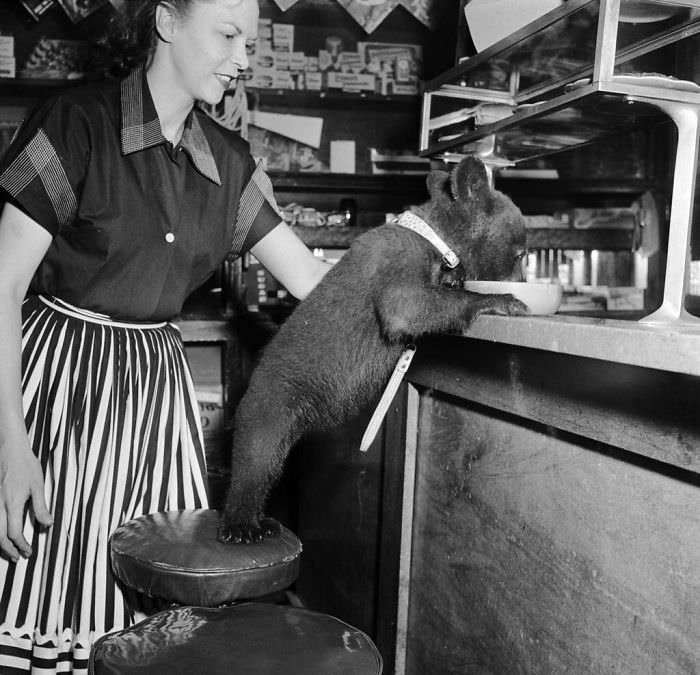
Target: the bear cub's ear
(437, 182)
(470, 181)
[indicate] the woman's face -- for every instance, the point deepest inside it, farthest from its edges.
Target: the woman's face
(208, 46)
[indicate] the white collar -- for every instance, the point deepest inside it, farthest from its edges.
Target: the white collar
(413, 222)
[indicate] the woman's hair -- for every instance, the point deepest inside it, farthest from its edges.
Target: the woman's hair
(132, 36)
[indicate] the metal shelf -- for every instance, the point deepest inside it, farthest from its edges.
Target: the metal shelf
(587, 97)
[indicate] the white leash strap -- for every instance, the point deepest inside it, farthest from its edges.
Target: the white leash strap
(415, 223)
(387, 397)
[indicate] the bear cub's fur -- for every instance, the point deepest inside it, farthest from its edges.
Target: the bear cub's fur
(336, 351)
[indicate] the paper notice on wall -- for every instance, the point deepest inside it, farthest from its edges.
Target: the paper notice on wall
(301, 128)
(492, 20)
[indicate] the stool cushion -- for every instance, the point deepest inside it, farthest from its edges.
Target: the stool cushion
(176, 556)
(246, 639)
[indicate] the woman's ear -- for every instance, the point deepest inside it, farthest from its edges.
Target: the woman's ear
(165, 22)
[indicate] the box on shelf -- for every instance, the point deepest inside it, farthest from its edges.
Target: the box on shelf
(282, 37)
(350, 81)
(314, 81)
(264, 29)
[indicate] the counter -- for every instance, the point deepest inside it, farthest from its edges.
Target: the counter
(533, 505)
(650, 346)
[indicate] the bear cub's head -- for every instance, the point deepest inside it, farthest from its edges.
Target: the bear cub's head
(481, 224)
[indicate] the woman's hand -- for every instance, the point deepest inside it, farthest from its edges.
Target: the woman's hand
(23, 243)
(21, 480)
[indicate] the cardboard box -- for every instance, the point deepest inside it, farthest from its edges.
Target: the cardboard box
(404, 89)
(282, 60)
(283, 80)
(283, 37)
(351, 81)
(350, 62)
(297, 61)
(264, 29)
(314, 81)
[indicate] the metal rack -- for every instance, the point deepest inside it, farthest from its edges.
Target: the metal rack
(568, 79)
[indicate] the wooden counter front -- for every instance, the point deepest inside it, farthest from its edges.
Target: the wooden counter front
(551, 516)
(532, 505)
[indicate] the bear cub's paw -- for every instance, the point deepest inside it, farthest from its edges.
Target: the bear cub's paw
(502, 304)
(514, 307)
(247, 532)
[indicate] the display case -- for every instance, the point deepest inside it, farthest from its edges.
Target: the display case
(585, 70)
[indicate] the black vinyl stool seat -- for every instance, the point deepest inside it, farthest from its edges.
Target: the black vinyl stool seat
(246, 639)
(174, 556)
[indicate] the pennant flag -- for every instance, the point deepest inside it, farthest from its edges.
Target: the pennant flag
(369, 13)
(284, 5)
(423, 10)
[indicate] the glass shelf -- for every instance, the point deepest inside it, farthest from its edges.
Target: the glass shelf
(583, 115)
(570, 78)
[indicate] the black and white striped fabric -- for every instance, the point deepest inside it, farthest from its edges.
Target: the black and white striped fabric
(111, 413)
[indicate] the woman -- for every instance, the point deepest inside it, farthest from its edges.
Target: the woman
(122, 198)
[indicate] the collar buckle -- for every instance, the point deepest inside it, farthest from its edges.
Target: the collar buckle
(415, 223)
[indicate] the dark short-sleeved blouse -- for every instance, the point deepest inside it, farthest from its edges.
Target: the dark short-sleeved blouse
(137, 224)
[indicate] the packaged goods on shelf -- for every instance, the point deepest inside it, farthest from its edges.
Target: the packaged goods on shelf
(282, 37)
(350, 81)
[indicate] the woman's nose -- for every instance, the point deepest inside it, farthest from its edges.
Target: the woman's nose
(240, 56)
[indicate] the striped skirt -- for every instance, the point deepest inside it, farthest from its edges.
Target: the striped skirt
(111, 413)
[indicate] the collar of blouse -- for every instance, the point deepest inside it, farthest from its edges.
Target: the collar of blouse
(141, 127)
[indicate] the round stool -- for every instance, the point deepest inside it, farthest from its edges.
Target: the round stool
(246, 639)
(175, 556)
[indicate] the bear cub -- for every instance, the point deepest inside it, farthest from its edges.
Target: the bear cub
(336, 351)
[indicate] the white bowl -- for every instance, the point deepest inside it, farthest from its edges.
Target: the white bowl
(541, 298)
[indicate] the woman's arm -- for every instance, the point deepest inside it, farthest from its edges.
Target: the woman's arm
(288, 259)
(23, 243)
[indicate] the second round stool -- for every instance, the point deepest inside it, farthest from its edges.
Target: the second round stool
(175, 556)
